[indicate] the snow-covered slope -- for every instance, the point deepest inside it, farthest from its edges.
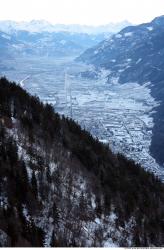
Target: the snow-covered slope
(57, 43)
(136, 54)
(23, 43)
(60, 187)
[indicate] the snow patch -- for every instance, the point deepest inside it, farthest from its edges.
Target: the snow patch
(3, 202)
(6, 36)
(128, 34)
(97, 220)
(118, 35)
(96, 52)
(150, 28)
(93, 202)
(53, 167)
(113, 60)
(139, 60)
(26, 214)
(63, 42)
(3, 238)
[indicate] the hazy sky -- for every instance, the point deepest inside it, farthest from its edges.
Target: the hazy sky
(91, 12)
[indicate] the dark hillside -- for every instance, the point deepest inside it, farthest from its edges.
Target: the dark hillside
(59, 186)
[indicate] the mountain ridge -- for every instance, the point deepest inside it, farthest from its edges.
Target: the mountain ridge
(135, 54)
(39, 26)
(55, 44)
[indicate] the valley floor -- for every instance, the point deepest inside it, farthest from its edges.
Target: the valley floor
(120, 115)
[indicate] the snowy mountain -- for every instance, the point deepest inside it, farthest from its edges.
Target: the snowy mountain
(136, 54)
(24, 43)
(40, 38)
(61, 187)
(9, 26)
(9, 46)
(44, 26)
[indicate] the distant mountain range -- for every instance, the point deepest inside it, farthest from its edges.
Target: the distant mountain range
(40, 38)
(44, 26)
(136, 54)
(23, 43)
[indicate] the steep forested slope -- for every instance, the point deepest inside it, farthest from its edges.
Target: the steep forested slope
(61, 187)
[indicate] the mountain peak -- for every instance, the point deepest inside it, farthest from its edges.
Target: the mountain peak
(158, 20)
(43, 25)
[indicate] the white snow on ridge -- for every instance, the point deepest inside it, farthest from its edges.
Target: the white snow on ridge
(128, 34)
(6, 36)
(118, 35)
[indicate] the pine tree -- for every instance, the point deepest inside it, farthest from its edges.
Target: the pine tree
(48, 174)
(55, 212)
(98, 207)
(34, 184)
(82, 207)
(52, 244)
